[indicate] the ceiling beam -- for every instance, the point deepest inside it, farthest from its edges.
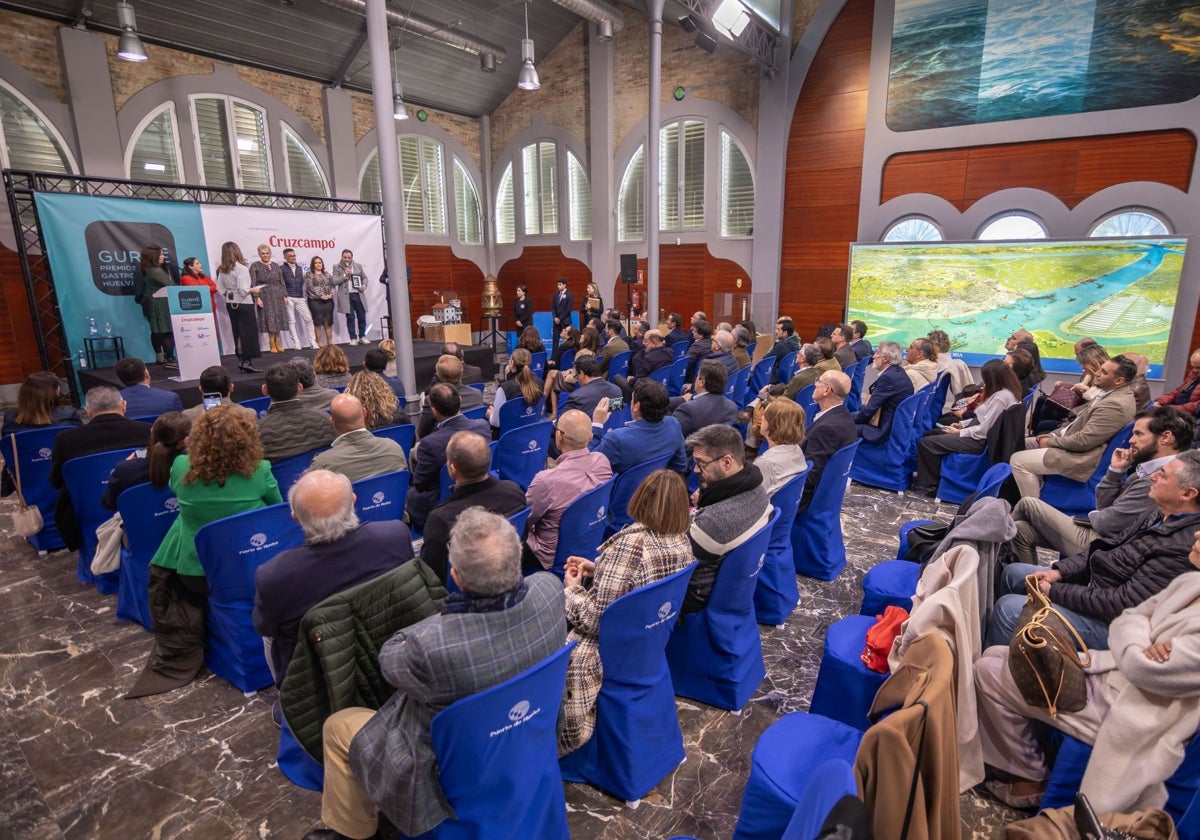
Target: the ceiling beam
(351, 54)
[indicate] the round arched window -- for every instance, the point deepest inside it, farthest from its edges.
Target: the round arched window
(1013, 226)
(1130, 223)
(913, 229)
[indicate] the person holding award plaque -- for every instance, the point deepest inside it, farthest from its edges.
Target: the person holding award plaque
(351, 281)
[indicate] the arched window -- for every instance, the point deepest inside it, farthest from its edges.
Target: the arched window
(231, 137)
(154, 155)
(1131, 222)
(631, 200)
(912, 229)
(1013, 225)
(506, 217)
(467, 208)
(681, 175)
(737, 189)
(539, 175)
(304, 173)
(27, 142)
(579, 197)
(422, 176)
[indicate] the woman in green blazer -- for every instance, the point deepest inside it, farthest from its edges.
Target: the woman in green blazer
(150, 278)
(223, 473)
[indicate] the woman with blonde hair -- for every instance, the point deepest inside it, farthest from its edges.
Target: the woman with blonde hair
(654, 546)
(222, 473)
(241, 298)
(782, 427)
(272, 312)
(332, 367)
(593, 304)
(388, 346)
(377, 398)
(519, 383)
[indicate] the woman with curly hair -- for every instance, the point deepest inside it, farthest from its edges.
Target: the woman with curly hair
(531, 340)
(222, 473)
(332, 367)
(377, 398)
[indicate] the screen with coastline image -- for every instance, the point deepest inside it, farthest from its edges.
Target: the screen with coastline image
(1121, 292)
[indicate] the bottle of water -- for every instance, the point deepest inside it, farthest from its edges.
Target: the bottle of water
(93, 331)
(82, 361)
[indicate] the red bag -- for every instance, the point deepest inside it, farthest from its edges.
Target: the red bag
(880, 638)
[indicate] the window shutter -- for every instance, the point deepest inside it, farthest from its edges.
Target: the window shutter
(668, 177)
(433, 191)
(693, 175)
(631, 200)
(548, 156)
(304, 173)
(250, 133)
(370, 189)
(212, 132)
(737, 189)
(28, 141)
(506, 222)
(580, 199)
(153, 157)
(466, 206)
(410, 179)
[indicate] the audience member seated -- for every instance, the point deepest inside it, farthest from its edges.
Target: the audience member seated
(1023, 340)
(568, 340)
(1074, 449)
(563, 381)
(960, 374)
(38, 406)
(653, 547)
(332, 367)
(1000, 390)
(499, 625)
(448, 371)
(222, 473)
(470, 373)
(731, 505)
(786, 342)
(1122, 497)
(215, 380)
(651, 434)
(289, 428)
(653, 355)
(168, 436)
(355, 452)
(723, 343)
(1021, 361)
(1185, 397)
(429, 455)
(890, 388)
(552, 491)
(700, 347)
(591, 387)
(706, 403)
(1048, 415)
(468, 459)
(832, 429)
(311, 395)
(388, 346)
(1140, 712)
(741, 339)
(378, 400)
(141, 400)
(841, 337)
(637, 336)
(921, 364)
(530, 340)
(107, 429)
(614, 343)
(519, 384)
(376, 361)
(1091, 588)
(1141, 388)
(783, 429)
(338, 553)
(677, 333)
(859, 344)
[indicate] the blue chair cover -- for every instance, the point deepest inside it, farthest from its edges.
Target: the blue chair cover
(784, 766)
(637, 741)
(845, 686)
(750, 348)
(566, 360)
(497, 755)
(890, 463)
(522, 452)
(662, 375)
(148, 515)
(478, 386)
(776, 593)
(581, 529)
(830, 782)
(537, 364)
(760, 374)
(519, 520)
(34, 448)
(962, 472)
(288, 470)
(231, 550)
(680, 348)
(1077, 498)
(786, 369)
(445, 482)
(857, 373)
(517, 413)
(937, 401)
(380, 498)
(624, 485)
(741, 384)
(804, 399)
(258, 405)
(404, 434)
(297, 766)
(905, 530)
(618, 365)
(86, 479)
(476, 413)
(675, 382)
(715, 655)
(817, 545)
(890, 583)
(617, 419)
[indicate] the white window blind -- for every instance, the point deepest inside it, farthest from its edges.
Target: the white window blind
(631, 199)
(368, 188)
(579, 192)
(232, 139)
(540, 187)
(421, 175)
(681, 175)
(153, 157)
(304, 173)
(253, 157)
(212, 132)
(467, 207)
(737, 189)
(27, 141)
(506, 219)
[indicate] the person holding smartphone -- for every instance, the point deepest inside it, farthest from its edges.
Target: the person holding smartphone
(241, 299)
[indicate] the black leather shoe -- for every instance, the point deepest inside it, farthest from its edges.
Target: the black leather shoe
(246, 367)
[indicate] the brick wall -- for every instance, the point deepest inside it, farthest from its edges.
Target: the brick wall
(129, 77)
(30, 42)
(464, 129)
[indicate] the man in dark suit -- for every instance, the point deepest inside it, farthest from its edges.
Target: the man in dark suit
(591, 389)
(448, 371)
(709, 404)
(613, 344)
(841, 337)
(651, 434)
(860, 345)
(470, 373)
(385, 759)
(701, 346)
(429, 455)
(107, 430)
(874, 419)
(561, 308)
(786, 342)
(140, 399)
(677, 333)
(832, 428)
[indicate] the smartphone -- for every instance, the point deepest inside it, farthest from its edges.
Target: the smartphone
(211, 400)
(940, 425)
(616, 403)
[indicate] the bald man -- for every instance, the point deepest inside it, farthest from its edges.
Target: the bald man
(357, 453)
(338, 553)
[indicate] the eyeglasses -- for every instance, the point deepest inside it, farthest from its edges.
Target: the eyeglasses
(700, 465)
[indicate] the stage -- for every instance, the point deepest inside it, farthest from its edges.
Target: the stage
(249, 385)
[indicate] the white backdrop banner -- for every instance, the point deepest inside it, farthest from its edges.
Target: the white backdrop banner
(310, 234)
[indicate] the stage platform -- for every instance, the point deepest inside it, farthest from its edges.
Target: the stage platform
(249, 385)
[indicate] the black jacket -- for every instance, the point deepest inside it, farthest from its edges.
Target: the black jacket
(828, 433)
(522, 313)
(502, 497)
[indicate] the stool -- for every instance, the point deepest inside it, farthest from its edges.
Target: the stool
(94, 345)
(892, 582)
(845, 686)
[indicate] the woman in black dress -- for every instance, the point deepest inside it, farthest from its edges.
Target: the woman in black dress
(522, 310)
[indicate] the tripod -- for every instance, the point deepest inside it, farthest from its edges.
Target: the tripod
(493, 331)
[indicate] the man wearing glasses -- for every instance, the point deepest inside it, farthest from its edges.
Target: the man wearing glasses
(832, 428)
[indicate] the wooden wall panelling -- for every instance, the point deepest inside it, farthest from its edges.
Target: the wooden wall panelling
(18, 342)
(539, 268)
(436, 268)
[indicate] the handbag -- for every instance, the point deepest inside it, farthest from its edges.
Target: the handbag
(110, 539)
(880, 637)
(27, 519)
(1042, 656)
(1089, 826)
(1065, 397)
(923, 540)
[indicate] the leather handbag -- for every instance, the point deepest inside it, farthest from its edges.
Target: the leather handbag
(1043, 658)
(880, 637)
(1065, 397)
(110, 539)
(27, 519)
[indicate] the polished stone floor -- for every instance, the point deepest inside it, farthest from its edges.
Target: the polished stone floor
(77, 761)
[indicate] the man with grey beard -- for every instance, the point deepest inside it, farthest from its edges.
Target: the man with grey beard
(338, 553)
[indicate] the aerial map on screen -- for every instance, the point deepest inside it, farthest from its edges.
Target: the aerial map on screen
(1120, 292)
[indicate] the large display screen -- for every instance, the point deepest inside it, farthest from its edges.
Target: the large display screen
(1121, 292)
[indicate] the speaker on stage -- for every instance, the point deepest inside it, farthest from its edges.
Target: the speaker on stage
(629, 269)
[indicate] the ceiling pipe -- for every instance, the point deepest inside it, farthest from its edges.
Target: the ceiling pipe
(598, 11)
(489, 54)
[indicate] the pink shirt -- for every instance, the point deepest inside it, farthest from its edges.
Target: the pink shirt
(552, 490)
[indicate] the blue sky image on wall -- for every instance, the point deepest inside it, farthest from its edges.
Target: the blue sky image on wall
(961, 62)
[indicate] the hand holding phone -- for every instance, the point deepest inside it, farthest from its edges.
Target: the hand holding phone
(211, 400)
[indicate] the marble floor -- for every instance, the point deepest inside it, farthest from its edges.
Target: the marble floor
(77, 761)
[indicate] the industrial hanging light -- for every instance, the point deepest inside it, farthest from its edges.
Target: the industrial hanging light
(527, 78)
(129, 45)
(399, 109)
